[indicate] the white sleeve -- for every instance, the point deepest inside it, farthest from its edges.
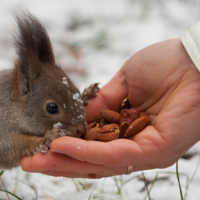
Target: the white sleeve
(191, 42)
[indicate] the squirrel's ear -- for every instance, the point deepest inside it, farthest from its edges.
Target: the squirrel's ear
(34, 51)
(32, 39)
(25, 73)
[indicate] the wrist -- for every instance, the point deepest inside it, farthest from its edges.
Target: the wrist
(186, 55)
(191, 42)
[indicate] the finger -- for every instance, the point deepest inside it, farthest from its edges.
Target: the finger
(118, 153)
(75, 175)
(69, 174)
(48, 167)
(110, 96)
(93, 175)
(26, 163)
(60, 162)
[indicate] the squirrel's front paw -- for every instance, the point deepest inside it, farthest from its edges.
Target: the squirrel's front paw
(53, 134)
(90, 92)
(41, 148)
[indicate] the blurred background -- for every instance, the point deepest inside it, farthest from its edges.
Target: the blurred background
(91, 40)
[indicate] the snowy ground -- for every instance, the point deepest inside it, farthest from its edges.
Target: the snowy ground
(91, 40)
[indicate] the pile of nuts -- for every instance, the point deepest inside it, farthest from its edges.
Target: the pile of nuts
(110, 125)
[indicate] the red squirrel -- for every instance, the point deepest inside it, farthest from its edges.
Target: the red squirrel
(36, 96)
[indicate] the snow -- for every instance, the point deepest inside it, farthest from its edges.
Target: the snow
(81, 117)
(77, 97)
(58, 125)
(93, 39)
(64, 81)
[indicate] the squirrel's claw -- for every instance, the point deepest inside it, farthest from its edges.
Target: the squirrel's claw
(90, 92)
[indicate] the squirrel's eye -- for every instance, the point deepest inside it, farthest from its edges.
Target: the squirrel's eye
(52, 108)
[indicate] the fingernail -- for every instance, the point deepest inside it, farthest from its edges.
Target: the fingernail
(56, 151)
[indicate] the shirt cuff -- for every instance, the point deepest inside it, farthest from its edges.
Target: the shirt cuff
(191, 42)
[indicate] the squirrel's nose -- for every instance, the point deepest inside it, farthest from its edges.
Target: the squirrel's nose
(77, 130)
(81, 131)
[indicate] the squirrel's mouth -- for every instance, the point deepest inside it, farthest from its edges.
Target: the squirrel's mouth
(77, 130)
(74, 130)
(81, 133)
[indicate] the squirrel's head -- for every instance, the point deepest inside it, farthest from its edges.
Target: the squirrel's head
(44, 94)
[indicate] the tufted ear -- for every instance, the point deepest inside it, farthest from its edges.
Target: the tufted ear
(26, 72)
(34, 51)
(32, 39)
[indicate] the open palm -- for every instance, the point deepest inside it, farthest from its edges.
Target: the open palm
(160, 80)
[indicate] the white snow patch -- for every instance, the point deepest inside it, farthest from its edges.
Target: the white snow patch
(57, 125)
(64, 105)
(77, 97)
(81, 117)
(64, 80)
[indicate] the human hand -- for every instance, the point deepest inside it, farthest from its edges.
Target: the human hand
(159, 80)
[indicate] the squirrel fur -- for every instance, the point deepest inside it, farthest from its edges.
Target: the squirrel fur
(34, 96)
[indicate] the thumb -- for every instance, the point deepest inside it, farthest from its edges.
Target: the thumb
(109, 97)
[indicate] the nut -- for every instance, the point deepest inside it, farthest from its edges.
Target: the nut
(107, 137)
(125, 104)
(146, 115)
(129, 116)
(92, 133)
(110, 125)
(96, 118)
(109, 128)
(136, 126)
(122, 128)
(91, 125)
(110, 116)
(123, 111)
(102, 123)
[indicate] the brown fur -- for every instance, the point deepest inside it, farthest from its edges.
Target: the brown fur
(25, 91)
